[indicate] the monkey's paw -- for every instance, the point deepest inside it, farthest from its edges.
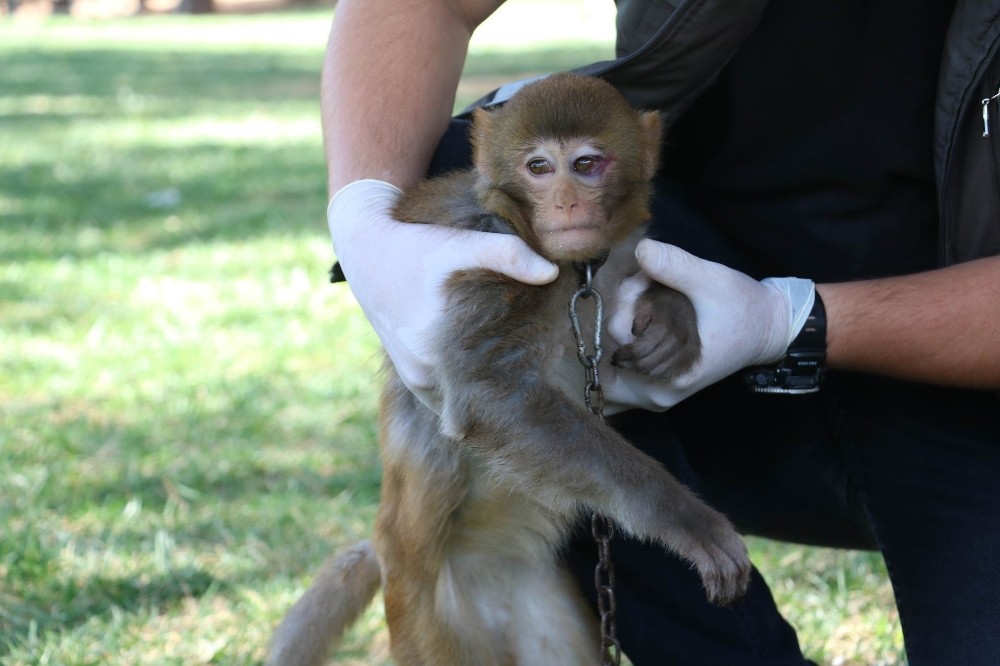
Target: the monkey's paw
(720, 557)
(666, 342)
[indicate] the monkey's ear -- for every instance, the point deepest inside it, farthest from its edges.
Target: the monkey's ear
(482, 130)
(652, 130)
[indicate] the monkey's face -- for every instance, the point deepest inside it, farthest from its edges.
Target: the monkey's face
(568, 163)
(564, 181)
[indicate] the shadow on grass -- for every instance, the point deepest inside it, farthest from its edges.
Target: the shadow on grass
(85, 152)
(230, 477)
(186, 82)
(63, 604)
(215, 193)
(156, 80)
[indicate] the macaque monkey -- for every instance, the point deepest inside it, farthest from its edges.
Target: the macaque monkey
(477, 501)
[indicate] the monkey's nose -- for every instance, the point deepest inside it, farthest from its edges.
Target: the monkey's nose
(568, 214)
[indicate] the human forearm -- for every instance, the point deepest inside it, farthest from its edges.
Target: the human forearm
(389, 82)
(389, 79)
(940, 327)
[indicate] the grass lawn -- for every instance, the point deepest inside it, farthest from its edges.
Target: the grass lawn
(186, 408)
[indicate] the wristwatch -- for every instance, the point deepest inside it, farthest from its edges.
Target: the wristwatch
(802, 369)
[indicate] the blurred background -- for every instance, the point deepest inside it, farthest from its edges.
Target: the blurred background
(187, 408)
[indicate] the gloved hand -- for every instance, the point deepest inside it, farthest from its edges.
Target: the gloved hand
(741, 322)
(396, 271)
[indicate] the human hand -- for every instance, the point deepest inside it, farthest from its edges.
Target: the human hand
(397, 272)
(741, 322)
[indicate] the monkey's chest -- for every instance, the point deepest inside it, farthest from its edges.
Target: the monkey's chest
(575, 324)
(564, 370)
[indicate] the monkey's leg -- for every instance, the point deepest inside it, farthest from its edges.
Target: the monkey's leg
(536, 440)
(435, 603)
(667, 344)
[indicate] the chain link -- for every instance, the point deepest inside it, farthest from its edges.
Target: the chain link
(604, 584)
(600, 526)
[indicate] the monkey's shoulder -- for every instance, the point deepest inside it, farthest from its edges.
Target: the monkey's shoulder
(449, 200)
(487, 301)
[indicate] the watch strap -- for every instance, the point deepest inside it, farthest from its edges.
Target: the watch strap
(802, 369)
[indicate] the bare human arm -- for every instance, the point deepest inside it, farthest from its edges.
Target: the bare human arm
(938, 327)
(389, 80)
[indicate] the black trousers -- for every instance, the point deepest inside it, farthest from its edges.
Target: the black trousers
(910, 470)
(868, 463)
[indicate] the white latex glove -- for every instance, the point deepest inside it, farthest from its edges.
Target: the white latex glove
(741, 322)
(396, 271)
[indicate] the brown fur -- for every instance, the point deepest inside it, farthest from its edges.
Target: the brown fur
(342, 590)
(476, 502)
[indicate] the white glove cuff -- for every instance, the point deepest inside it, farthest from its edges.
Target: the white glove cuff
(358, 201)
(800, 294)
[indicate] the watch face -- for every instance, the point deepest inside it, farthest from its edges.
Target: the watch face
(801, 371)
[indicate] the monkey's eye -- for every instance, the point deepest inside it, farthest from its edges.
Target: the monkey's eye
(586, 164)
(539, 167)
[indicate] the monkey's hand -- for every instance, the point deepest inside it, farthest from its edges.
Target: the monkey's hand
(665, 341)
(740, 322)
(397, 272)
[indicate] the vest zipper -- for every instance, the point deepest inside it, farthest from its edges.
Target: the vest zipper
(992, 147)
(986, 112)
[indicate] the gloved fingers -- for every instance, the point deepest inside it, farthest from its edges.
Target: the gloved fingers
(514, 258)
(622, 312)
(624, 389)
(503, 253)
(698, 278)
(672, 266)
(360, 224)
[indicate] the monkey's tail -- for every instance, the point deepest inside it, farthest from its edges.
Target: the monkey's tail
(344, 588)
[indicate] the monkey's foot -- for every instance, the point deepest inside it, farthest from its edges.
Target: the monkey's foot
(720, 557)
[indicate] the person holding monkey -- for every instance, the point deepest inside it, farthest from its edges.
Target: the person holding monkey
(851, 145)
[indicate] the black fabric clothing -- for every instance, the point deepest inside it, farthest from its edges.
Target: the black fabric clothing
(905, 468)
(813, 150)
(670, 52)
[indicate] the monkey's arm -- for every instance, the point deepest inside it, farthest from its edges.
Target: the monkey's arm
(388, 87)
(499, 404)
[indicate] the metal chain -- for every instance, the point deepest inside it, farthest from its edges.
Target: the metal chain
(600, 526)
(604, 583)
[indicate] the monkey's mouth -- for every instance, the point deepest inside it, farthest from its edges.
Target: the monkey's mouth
(570, 242)
(584, 227)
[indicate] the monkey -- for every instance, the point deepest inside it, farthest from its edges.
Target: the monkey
(477, 501)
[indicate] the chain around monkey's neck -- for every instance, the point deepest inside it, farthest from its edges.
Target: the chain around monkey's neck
(594, 262)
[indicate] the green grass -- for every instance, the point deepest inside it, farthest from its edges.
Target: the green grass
(187, 409)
